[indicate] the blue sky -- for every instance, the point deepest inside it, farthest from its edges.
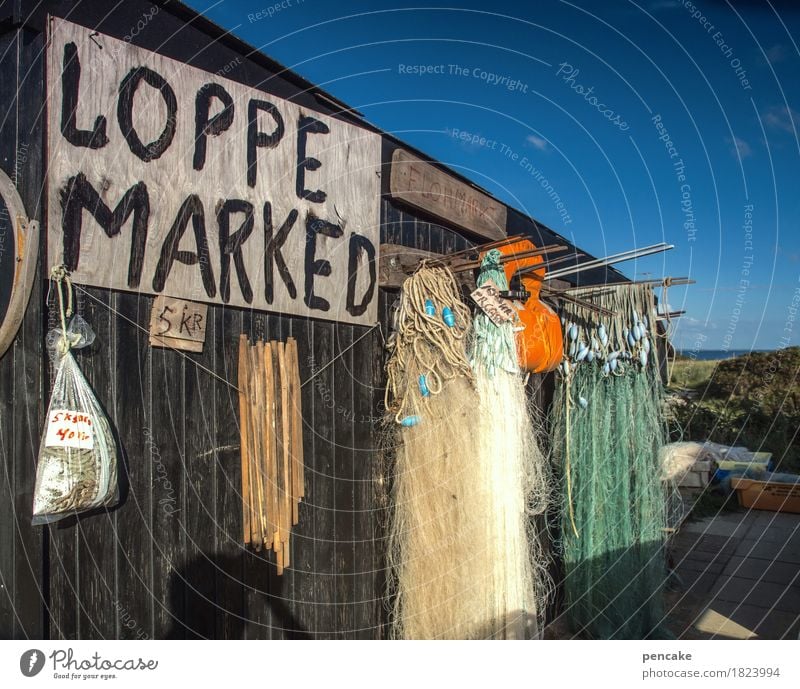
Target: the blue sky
(652, 120)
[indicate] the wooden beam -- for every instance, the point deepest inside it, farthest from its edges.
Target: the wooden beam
(430, 189)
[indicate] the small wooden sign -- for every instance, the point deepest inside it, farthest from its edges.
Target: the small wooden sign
(423, 186)
(488, 298)
(178, 323)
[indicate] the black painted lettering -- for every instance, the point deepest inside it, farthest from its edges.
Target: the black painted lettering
(257, 139)
(185, 322)
(79, 195)
(306, 126)
(360, 245)
(127, 91)
(70, 86)
(273, 246)
(191, 209)
(231, 245)
(203, 125)
(162, 317)
(313, 265)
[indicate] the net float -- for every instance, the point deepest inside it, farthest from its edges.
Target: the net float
(430, 309)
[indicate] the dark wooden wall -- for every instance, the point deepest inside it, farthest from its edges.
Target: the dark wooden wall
(168, 562)
(23, 594)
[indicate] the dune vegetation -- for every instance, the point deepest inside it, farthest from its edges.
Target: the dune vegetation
(751, 400)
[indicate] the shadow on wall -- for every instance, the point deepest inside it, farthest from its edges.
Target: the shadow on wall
(201, 610)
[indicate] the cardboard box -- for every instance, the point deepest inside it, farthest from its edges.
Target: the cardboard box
(764, 495)
(694, 479)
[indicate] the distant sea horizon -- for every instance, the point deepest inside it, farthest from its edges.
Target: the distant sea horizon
(713, 354)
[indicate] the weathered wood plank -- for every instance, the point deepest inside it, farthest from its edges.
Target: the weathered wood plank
(408, 229)
(166, 426)
(304, 541)
(30, 591)
(424, 186)
(241, 194)
(390, 222)
(8, 405)
(398, 262)
(96, 529)
(279, 597)
(423, 241)
(7, 517)
(134, 518)
(437, 239)
(368, 584)
(258, 566)
(178, 324)
(228, 519)
(62, 536)
(323, 499)
(346, 564)
(200, 457)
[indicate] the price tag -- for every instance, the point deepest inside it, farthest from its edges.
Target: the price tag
(488, 298)
(178, 323)
(66, 428)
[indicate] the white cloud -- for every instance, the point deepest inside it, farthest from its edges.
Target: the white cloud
(781, 117)
(741, 147)
(536, 141)
(776, 54)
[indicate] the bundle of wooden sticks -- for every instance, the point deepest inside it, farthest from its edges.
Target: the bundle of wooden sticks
(271, 424)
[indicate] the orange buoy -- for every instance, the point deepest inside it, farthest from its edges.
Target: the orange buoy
(540, 345)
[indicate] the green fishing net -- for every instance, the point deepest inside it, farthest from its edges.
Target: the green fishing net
(607, 427)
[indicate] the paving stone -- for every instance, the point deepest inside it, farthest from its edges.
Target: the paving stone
(682, 543)
(725, 545)
(764, 594)
(775, 534)
(768, 550)
(764, 570)
(736, 589)
(701, 556)
(767, 624)
(701, 585)
(773, 520)
(782, 518)
(723, 525)
(750, 581)
(688, 563)
(789, 600)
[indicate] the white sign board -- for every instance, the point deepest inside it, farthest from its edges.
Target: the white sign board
(163, 178)
(67, 428)
(498, 310)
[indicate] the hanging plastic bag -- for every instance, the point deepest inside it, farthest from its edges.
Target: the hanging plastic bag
(77, 466)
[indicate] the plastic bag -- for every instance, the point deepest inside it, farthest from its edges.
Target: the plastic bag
(77, 467)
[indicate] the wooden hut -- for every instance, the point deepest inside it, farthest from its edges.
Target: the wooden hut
(122, 131)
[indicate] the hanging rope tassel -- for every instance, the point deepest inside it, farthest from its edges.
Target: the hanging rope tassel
(493, 346)
(513, 582)
(60, 278)
(435, 533)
